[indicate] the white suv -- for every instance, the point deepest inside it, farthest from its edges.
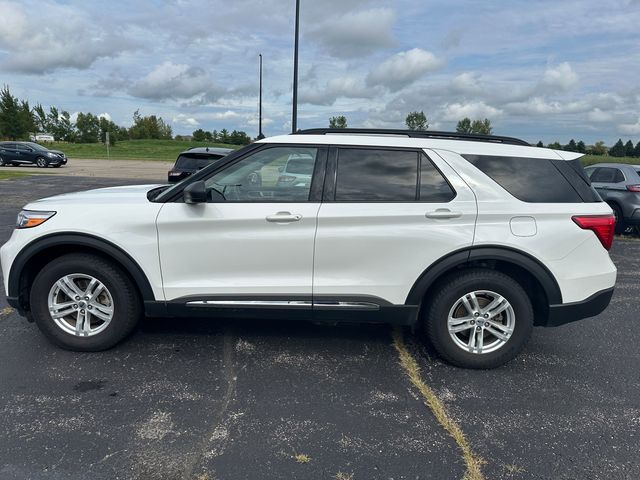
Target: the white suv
(475, 239)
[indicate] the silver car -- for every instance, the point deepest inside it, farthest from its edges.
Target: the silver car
(619, 185)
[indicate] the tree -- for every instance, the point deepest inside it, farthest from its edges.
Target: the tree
(26, 120)
(597, 149)
(582, 148)
(9, 110)
(628, 149)
(199, 135)
(636, 151)
(482, 127)
(88, 126)
(150, 127)
(555, 146)
(572, 146)
(417, 121)
(223, 136)
(208, 137)
(338, 122)
(540, 144)
(464, 125)
(617, 150)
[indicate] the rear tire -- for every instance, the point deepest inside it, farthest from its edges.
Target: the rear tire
(115, 296)
(446, 310)
(4, 163)
(620, 223)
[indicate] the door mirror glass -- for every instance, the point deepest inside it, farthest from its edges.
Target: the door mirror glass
(195, 193)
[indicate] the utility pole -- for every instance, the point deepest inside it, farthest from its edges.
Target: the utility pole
(260, 134)
(294, 116)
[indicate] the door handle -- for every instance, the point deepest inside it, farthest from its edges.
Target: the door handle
(284, 217)
(443, 214)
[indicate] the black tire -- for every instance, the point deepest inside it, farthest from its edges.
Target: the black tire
(126, 302)
(4, 163)
(455, 287)
(42, 162)
(621, 226)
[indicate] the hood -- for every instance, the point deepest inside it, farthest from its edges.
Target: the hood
(58, 152)
(130, 194)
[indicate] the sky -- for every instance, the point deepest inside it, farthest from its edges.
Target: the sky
(538, 69)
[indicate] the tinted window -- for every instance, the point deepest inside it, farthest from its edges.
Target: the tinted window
(577, 177)
(196, 162)
(433, 187)
(258, 178)
(22, 148)
(607, 175)
(533, 180)
(368, 175)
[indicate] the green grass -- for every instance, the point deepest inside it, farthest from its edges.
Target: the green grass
(9, 175)
(591, 159)
(132, 149)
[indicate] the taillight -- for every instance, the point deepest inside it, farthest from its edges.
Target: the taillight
(633, 188)
(603, 226)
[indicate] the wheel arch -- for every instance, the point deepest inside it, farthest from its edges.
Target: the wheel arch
(528, 271)
(38, 253)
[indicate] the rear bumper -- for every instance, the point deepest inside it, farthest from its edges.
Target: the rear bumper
(570, 312)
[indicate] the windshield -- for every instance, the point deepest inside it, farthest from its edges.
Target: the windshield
(36, 146)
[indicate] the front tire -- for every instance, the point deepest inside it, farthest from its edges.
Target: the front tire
(83, 302)
(479, 319)
(42, 162)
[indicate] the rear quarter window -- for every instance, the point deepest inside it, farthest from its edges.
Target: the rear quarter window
(538, 180)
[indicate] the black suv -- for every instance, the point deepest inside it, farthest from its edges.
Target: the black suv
(195, 159)
(23, 153)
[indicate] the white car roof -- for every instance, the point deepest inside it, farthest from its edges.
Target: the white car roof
(461, 147)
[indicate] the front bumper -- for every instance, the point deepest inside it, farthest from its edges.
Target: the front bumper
(570, 312)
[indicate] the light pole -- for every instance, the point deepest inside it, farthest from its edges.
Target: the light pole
(260, 134)
(294, 116)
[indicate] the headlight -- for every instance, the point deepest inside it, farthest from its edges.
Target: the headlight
(30, 218)
(51, 154)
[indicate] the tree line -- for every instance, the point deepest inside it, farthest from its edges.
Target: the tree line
(18, 121)
(236, 137)
(619, 149)
(417, 121)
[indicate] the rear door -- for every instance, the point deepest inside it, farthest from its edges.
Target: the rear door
(387, 215)
(8, 151)
(609, 182)
(24, 154)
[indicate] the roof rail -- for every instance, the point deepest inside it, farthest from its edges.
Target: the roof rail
(471, 137)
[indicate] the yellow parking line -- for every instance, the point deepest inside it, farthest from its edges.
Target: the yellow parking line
(431, 400)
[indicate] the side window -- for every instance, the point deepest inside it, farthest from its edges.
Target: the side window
(433, 187)
(22, 148)
(372, 175)
(534, 180)
(619, 176)
(590, 171)
(260, 178)
(606, 175)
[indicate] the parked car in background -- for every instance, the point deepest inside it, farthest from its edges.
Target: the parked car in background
(297, 172)
(194, 159)
(619, 185)
(30, 153)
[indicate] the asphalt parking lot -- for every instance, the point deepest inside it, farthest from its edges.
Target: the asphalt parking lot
(198, 399)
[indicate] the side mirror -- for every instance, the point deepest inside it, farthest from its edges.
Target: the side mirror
(195, 193)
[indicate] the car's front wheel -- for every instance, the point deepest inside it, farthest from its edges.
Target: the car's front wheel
(42, 162)
(83, 302)
(479, 319)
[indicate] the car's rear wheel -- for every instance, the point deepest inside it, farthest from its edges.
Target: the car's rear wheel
(4, 163)
(42, 162)
(83, 302)
(479, 319)
(620, 223)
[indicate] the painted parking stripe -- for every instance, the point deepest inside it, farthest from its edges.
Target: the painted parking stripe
(412, 370)
(5, 312)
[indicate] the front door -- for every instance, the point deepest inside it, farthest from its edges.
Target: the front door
(252, 243)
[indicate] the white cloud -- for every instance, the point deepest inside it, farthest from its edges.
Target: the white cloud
(105, 116)
(53, 37)
(561, 77)
(356, 33)
(403, 68)
(185, 120)
(335, 88)
(598, 116)
(473, 110)
(467, 82)
(176, 81)
(630, 128)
